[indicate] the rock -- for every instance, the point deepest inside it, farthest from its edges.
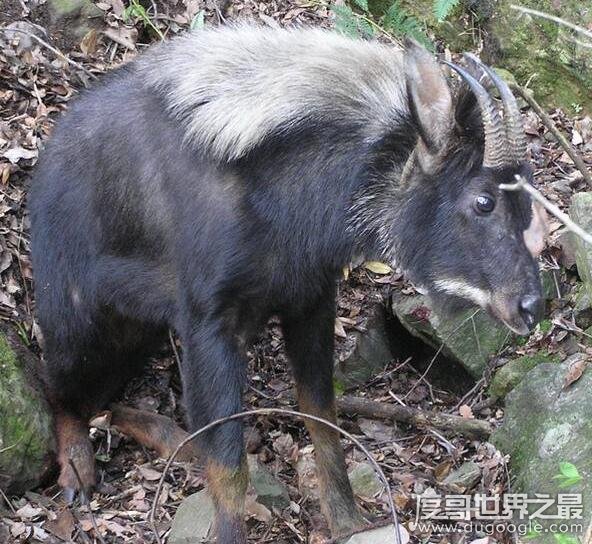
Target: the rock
(582, 306)
(368, 352)
(74, 17)
(193, 519)
(463, 478)
(26, 429)
(470, 341)
(382, 535)
(581, 213)
(269, 490)
(522, 44)
(364, 480)
(511, 374)
(546, 425)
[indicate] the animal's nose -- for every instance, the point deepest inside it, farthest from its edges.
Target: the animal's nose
(531, 310)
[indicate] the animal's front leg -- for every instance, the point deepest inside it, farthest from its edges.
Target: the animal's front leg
(213, 376)
(310, 342)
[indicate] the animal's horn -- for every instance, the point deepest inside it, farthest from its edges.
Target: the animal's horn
(512, 118)
(493, 154)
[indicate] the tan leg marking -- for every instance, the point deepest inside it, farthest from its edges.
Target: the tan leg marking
(74, 445)
(156, 432)
(337, 501)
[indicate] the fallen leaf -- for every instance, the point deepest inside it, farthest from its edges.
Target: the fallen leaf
(63, 525)
(378, 267)
(149, 474)
(466, 412)
(90, 42)
(257, 510)
(28, 512)
(339, 330)
(17, 153)
(574, 372)
(576, 138)
(123, 36)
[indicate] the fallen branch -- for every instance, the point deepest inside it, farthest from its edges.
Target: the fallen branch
(267, 412)
(473, 428)
(523, 185)
(561, 139)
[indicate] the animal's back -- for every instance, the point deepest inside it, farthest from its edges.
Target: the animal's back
(113, 180)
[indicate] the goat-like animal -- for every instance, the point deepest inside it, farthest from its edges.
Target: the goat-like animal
(229, 175)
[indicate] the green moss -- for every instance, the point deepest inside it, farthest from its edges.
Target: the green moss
(532, 49)
(512, 373)
(543, 52)
(25, 428)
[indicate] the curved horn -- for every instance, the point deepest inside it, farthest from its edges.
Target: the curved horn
(493, 154)
(512, 118)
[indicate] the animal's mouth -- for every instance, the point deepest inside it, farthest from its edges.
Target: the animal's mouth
(519, 313)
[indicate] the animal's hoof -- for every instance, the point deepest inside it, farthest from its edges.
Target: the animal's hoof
(69, 494)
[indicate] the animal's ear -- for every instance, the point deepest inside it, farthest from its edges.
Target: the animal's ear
(430, 102)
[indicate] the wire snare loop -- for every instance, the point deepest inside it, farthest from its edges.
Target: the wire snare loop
(267, 412)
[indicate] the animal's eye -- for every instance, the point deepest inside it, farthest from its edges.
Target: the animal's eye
(484, 204)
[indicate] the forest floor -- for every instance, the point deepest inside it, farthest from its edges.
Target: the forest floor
(36, 85)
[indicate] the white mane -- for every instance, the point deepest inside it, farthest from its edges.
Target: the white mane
(233, 86)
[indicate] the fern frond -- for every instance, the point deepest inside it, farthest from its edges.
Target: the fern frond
(442, 8)
(397, 21)
(346, 21)
(362, 4)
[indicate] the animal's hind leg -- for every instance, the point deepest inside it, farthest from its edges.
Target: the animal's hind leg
(159, 433)
(81, 378)
(75, 455)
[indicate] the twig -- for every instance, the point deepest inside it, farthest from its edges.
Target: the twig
(86, 502)
(54, 50)
(7, 448)
(7, 500)
(267, 412)
(175, 351)
(547, 121)
(473, 428)
(553, 18)
(523, 185)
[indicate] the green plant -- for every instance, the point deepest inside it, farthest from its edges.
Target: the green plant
(565, 539)
(199, 21)
(443, 8)
(568, 475)
(358, 21)
(137, 11)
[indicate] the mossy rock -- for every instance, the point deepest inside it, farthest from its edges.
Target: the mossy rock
(546, 425)
(542, 51)
(545, 54)
(26, 433)
(581, 213)
(513, 372)
(470, 337)
(74, 17)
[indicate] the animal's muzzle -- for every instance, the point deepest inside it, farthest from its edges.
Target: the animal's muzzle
(531, 308)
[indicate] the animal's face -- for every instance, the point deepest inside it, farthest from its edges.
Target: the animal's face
(460, 236)
(484, 245)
